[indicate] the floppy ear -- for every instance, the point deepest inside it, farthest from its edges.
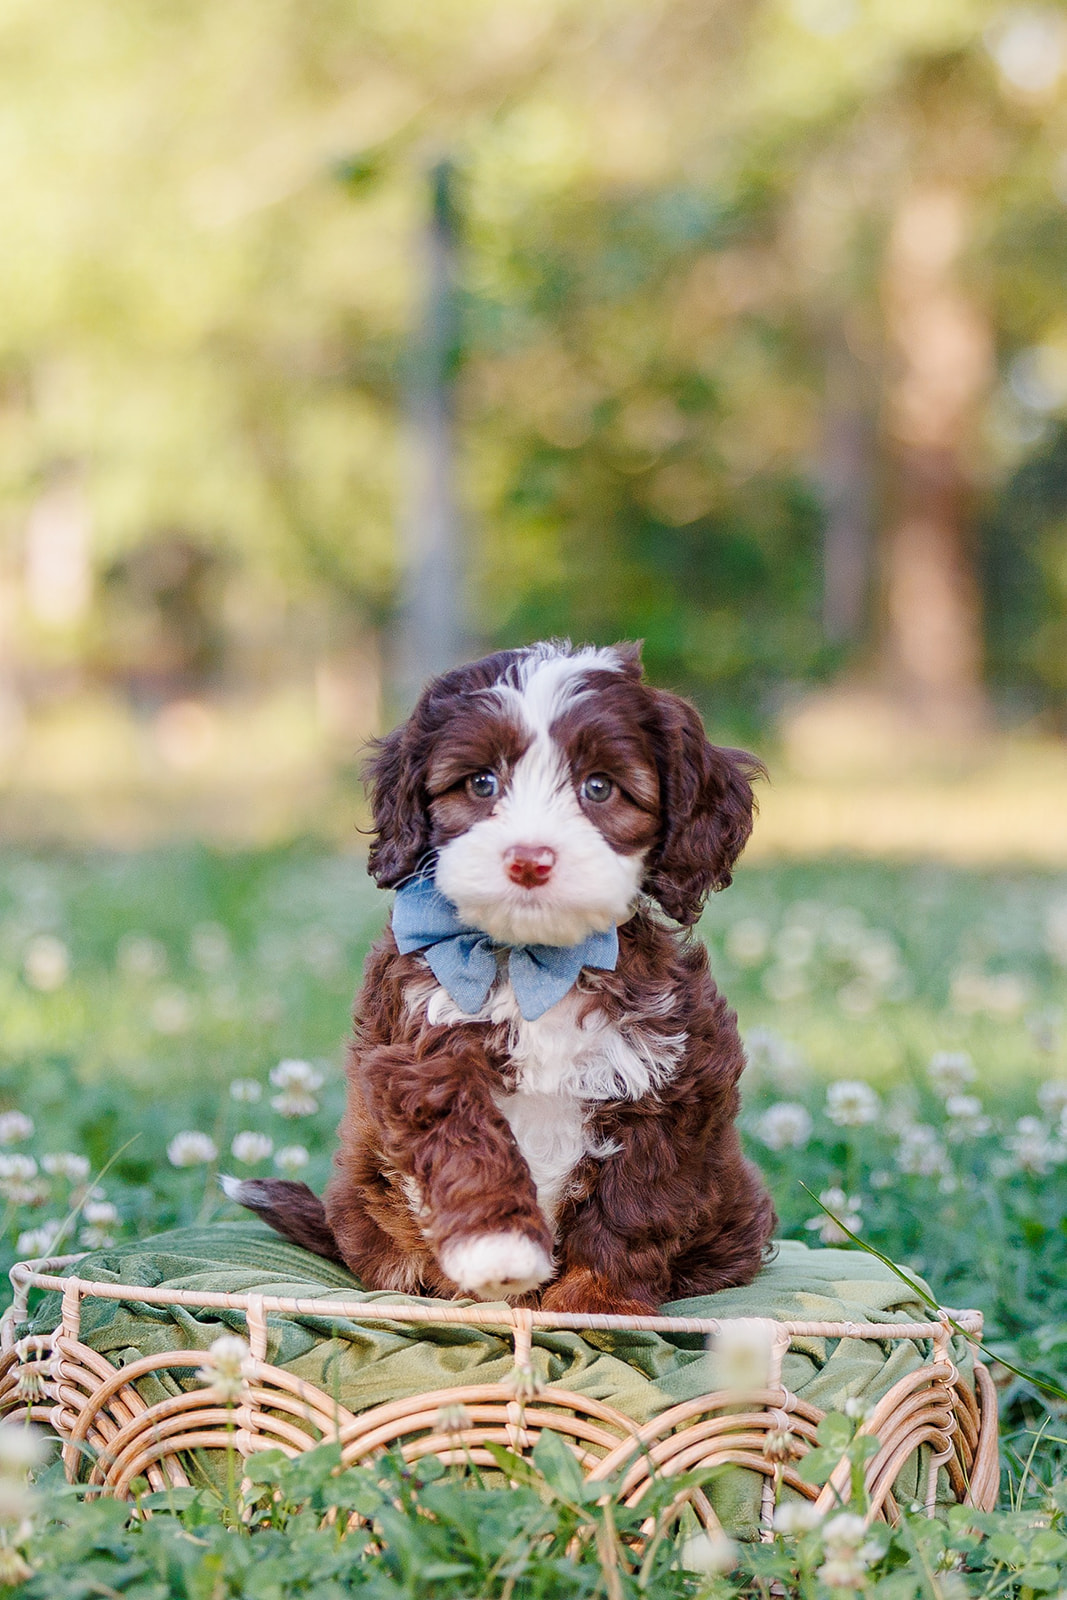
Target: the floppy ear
(628, 652)
(707, 810)
(398, 806)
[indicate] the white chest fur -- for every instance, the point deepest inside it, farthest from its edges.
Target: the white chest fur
(562, 1064)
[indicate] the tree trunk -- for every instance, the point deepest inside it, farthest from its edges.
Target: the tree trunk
(940, 350)
(846, 473)
(431, 634)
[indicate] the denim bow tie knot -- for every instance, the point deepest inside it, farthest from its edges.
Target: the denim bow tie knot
(463, 959)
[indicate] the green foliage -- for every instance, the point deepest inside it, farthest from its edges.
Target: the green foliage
(667, 222)
(390, 1531)
(172, 974)
(387, 1531)
(1025, 564)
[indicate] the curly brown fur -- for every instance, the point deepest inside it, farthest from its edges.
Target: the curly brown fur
(435, 1158)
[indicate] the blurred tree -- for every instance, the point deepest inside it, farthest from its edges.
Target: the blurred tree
(431, 633)
(734, 283)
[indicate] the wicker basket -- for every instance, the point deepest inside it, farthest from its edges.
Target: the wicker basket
(111, 1436)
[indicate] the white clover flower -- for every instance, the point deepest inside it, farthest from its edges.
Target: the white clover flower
(102, 1213)
(859, 997)
(141, 956)
(294, 1104)
(845, 1531)
(191, 1149)
(46, 963)
(967, 991)
(768, 1053)
(844, 1206)
(950, 1072)
(1051, 1097)
(291, 1158)
(17, 1168)
(782, 984)
(209, 947)
(230, 1368)
(321, 950)
(784, 1125)
(171, 1011)
(15, 1126)
(452, 1419)
(740, 1355)
(14, 1568)
(1044, 1028)
(844, 1571)
(794, 945)
(225, 1002)
(22, 1449)
(857, 1407)
(96, 1238)
(246, 1091)
(1033, 1147)
(1056, 932)
(298, 1076)
(708, 1553)
(877, 957)
(851, 1104)
(779, 1446)
(747, 942)
(1006, 994)
(65, 1164)
(967, 1120)
(1001, 994)
(25, 1194)
(17, 1505)
(38, 1241)
(249, 1147)
(844, 928)
(796, 1516)
(921, 1153)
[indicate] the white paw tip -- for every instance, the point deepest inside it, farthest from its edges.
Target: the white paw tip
(496, 1266)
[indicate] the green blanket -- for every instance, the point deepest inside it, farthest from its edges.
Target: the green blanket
(364, 1365)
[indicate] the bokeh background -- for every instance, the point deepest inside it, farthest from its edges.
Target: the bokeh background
(339, 341)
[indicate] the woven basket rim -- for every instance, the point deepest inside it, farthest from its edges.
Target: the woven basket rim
(43, 1272)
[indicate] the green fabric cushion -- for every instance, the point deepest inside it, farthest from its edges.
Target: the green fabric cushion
(640, 1374)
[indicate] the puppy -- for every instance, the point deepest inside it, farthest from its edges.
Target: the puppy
(542, 1085)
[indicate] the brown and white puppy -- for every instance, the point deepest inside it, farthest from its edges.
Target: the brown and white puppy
(590, 1153)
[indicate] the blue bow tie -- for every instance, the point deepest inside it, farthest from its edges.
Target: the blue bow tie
(463, 959)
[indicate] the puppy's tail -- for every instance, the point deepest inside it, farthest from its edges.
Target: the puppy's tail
(292, 1209)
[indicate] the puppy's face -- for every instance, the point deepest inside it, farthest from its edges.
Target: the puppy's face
(545, 801)
(548, 787)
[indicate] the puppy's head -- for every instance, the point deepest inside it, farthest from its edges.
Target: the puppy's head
(546, 788)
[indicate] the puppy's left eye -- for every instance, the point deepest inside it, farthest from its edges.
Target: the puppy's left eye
(483, 785)
(597, 788)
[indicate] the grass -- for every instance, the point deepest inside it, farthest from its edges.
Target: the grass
(136, 988)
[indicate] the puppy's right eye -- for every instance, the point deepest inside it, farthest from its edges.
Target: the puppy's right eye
(483, 785)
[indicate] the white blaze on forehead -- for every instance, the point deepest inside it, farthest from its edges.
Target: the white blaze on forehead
(538, 689)
(546, 680)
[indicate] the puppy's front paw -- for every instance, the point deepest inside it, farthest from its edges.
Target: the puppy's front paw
(496, 1266)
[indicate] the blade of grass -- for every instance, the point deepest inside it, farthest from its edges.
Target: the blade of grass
(75, 1212)
(928, 1299)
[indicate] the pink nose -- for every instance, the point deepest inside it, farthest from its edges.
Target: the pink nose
(529, 865)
